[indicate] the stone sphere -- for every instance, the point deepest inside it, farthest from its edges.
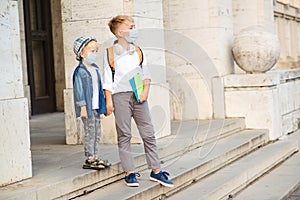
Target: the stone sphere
(256, 50)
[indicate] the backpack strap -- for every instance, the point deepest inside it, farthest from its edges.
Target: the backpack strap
(111, 59)
(140, 54)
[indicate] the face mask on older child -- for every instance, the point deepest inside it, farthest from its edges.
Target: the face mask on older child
(91, 58)
(133, 35)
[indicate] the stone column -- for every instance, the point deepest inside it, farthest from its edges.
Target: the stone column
(23, 54)
(149, 16)
(205, 27)
(294, 47)
(148, 19)
(287, 19)
(91, 19)
(252, 13)
(298, 42)
(82, 18)
(15, 151)
(58, 53)
(281, 32)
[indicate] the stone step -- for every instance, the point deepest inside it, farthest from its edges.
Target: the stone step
(193, 134)
(226, 182)
(66, 179)
(278, 183)
(187, 168)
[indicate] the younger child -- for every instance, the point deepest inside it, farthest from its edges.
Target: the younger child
(89, 99)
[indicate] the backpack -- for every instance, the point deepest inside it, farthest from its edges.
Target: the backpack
(111, 61)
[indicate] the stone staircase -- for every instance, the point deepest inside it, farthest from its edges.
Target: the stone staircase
(206, 159)
(226, 182)
(212, 170)
(279, 182)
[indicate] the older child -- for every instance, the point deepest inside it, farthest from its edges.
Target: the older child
(120, 99)
(89, 99)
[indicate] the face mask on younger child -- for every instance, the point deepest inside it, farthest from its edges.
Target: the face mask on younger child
(91, 58)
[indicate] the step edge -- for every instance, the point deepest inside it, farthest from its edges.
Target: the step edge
(286, 154)
(169, 191)
(242, 184)
(238, 125)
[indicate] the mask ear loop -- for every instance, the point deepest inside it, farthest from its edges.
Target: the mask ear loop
(131, 49)
(118, 49)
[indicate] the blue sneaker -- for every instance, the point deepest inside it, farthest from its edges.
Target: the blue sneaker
(131, 180)
(162, 178)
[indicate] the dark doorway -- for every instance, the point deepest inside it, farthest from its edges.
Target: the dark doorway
(39, 51)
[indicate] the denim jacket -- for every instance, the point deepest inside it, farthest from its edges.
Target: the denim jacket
(83, 90)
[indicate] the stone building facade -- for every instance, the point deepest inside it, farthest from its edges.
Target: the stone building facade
(188, 44)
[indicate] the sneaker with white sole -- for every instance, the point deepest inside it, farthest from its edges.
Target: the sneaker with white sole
(131, 180)
(162, 178)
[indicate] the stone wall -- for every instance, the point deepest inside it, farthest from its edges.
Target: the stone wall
(287, 18)
(79, 19)
(15, 155)
(23, 55)
(91, 18)
(58, 54)
(188, 45)
(208, 26)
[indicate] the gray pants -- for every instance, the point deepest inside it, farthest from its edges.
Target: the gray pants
(92, 129)
(125, 107)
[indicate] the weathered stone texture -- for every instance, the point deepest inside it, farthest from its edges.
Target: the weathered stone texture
(86, 19)
(15, 156)
(255, 50)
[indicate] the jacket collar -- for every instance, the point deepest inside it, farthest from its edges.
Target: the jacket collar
(82, 65)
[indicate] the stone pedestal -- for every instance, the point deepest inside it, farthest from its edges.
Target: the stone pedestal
(266, 101)
(15, 156)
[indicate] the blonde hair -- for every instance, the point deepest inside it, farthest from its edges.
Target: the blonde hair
(115, 22)
(89, 45)
(92, 44)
